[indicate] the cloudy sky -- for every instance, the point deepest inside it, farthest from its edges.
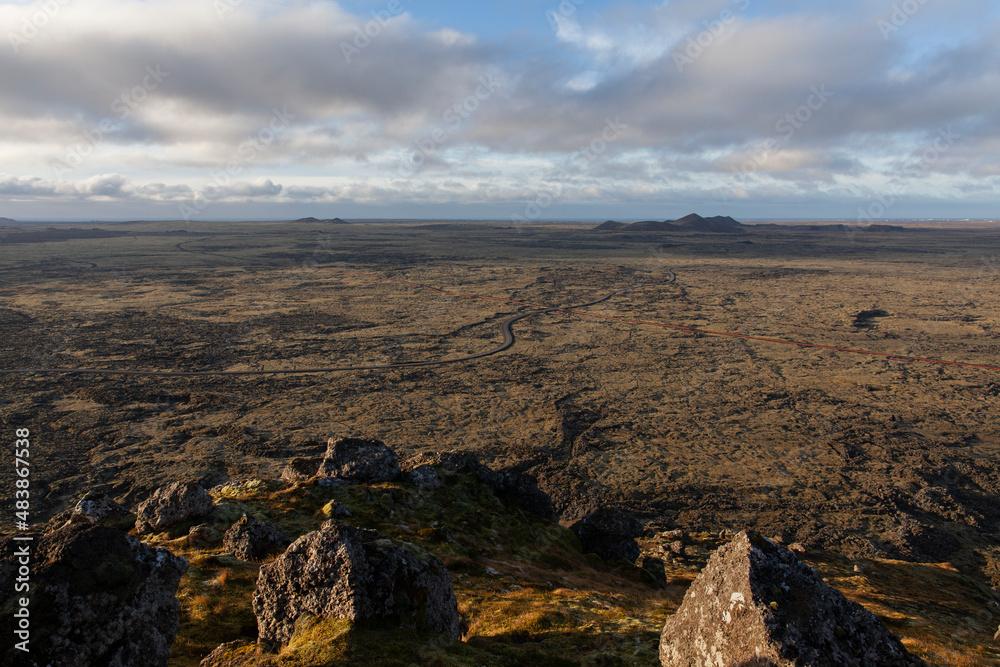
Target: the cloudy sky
(515, 109)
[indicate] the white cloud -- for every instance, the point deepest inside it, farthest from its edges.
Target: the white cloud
(222, 82)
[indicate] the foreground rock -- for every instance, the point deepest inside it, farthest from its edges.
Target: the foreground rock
(755, 603)
(344, 572)
(99, 597)
(250, 539)
(172, 504)
(359, 460)
(100, 508)
(609, 533)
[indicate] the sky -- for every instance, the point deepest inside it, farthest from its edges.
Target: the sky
(521, 110)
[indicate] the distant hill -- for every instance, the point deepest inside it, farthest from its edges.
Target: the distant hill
(719, 224)
(7, 221)
(648, 226)
(689, 223)
(62, 234)
(609, 226)
(334, 221)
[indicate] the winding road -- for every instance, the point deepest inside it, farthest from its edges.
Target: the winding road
(505, 330)
(508, 341)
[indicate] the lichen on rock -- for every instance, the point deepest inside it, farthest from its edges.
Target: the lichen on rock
(172, 504)
(349, 573)
(757, 603)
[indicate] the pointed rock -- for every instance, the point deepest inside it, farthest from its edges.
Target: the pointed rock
(755, 603)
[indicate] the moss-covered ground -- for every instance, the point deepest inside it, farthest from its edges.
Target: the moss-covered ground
(527, 593)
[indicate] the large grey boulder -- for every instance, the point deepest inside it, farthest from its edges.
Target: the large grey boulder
(172, 504)
(344, 572)
(250, 539)
(756, 603)
(99, 597)
(609, 533)
(359, 460)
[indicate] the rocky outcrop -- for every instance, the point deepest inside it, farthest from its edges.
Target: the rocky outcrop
(424, 477)
(99, 597)
(253, 540)
(95, 508)
(100, 508)
(755, 603)
(344, 572)
(359, 460)
(609, 533)
(172, 504)
(300, 469)
(504, 481)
